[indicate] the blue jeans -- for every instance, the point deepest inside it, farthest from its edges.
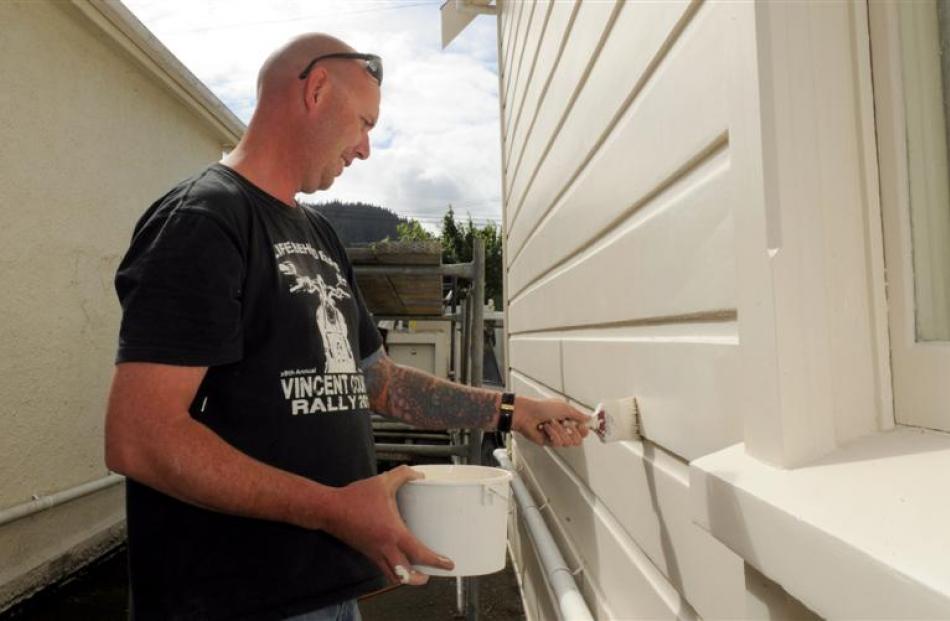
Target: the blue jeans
(344, 611)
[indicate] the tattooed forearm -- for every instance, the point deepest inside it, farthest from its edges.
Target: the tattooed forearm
(427, 401)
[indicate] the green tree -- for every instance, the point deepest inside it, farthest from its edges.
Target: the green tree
(457, 243)
(453, 242)
(410, 230)
(493, 264)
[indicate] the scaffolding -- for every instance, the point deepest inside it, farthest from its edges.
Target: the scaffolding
(459, 445)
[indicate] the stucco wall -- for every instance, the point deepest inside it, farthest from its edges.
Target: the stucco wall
(89, 138)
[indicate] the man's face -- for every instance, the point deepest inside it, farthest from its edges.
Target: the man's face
(356, 113)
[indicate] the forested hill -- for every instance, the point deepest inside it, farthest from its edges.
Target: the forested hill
(359, 223)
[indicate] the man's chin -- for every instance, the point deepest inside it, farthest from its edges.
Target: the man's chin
(323, 184)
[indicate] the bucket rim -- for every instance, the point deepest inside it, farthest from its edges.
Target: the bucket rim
(493, 476)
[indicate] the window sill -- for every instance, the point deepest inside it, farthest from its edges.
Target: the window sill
(863, 532)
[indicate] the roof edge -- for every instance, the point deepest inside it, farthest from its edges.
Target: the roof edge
(121, 25)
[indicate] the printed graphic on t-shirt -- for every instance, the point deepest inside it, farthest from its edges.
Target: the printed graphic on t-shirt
(331, 325)
(338, 386)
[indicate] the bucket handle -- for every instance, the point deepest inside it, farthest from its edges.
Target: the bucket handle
(488, 491)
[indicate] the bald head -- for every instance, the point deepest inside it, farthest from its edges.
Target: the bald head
(304, 132)
(282, 67)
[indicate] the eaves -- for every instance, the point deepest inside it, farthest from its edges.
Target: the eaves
(116, 21)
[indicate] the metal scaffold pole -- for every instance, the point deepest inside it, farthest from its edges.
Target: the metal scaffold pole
(477, 351)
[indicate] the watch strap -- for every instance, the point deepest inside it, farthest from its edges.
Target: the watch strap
(506, 411)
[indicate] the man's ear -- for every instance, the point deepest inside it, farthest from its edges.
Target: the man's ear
(316, 88)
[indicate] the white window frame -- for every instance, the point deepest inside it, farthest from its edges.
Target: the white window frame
(920, 370)
(814, 352)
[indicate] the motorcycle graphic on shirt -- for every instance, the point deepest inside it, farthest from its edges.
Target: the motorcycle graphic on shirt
(331, 325)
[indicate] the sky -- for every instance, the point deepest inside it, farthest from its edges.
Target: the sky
(437, 139)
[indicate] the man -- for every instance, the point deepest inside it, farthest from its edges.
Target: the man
(246, 368)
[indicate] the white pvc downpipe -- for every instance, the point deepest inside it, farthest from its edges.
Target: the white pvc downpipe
(42, 503)
(569, 598)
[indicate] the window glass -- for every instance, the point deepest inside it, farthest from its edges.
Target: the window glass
(925, 59)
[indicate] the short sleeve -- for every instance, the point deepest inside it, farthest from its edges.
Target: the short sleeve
(180, 287)
(371, 341)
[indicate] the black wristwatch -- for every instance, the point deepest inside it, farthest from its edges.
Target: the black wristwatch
(506, 411)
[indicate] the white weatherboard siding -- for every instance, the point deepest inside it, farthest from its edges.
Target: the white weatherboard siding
(693, 216)
(621, 279)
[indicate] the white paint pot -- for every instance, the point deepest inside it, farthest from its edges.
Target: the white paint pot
(460, 512)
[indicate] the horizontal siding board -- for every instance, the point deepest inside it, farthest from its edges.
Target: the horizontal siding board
(632, 587)
(513, 10)
(555, 39)
(687, 391)
(620, 71)
(585, 36)
(523, 384)
(505, 16)
(596, 601)
(519, 49)
(653, 505)
(675, 259)
(533, 38)
(538, 358)
(512, 53)
(552, 45)
(539, 603)
(647, 491)
(517, 549)
(613, 565)
(662, 135)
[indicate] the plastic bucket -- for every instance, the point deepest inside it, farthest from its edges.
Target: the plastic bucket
(460, 512)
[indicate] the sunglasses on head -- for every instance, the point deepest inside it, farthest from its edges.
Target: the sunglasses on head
(374, 64)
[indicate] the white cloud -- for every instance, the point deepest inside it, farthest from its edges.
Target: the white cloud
(437, 141)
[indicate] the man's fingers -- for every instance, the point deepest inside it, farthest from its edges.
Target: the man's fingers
(402, 474)
(573, 427)
(535, 434)
(574, 415)
(388, 570)
(402, 571)
(421, 555)
(572, 434)
(566, 433)
(557, 433)
(549, 434)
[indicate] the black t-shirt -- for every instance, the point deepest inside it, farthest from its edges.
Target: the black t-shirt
(223, 275)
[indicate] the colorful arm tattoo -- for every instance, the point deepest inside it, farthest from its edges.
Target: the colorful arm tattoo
(423, 400)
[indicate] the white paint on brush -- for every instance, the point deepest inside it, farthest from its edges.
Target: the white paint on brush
(616, 420)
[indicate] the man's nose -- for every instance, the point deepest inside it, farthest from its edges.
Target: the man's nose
(362, 149)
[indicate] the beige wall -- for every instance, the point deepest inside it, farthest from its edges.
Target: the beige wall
(89, 138)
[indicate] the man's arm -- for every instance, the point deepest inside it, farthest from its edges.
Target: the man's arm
(427, 401)
(151, 438)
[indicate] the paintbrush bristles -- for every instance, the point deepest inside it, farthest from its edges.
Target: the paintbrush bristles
(617, 420)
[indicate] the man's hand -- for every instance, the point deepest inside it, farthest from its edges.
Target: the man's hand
(151, 437)
(429, 402)
(548, 421)
(366, 518)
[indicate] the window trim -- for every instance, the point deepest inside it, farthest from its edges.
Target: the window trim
(919, 369)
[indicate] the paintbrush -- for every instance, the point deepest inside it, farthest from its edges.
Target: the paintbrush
(613, 420)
